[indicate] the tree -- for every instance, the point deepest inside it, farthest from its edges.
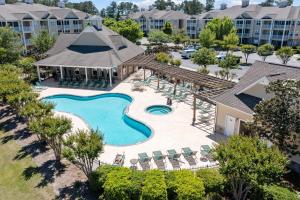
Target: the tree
(230, 41)
(179, 36)
(160, 4)
(265, 50)
(112, 10)
(193, 7)
(83, 148)
(167, 28)
(20, 100)
(51, 129)
(163, 57)
(28, 68)
(207, 38)
(229, 63)
(248, 163)
(42, 42)
(85, 6)
(154, 186)
(127, 28)
(221, 27)
(204, 57)
(10, 46)
(175, 62)
(157, 36)
(209, 5)
(277, 118)
(285, 54)
(125, 8)
(267, 3)
(248, 49)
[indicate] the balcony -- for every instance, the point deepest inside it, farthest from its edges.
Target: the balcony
(17, 29)
(280, 37)
(266, 26)
(278, 27)
(27, 28)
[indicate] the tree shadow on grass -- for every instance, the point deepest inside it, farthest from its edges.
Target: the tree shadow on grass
(33, 149)
(78, 190)
(18, 135)
(48, 170)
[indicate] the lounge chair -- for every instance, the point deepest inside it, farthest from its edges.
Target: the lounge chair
(179, 95)
(174, 158)
(144, 160)
(159, 159)
(38, 86)
(168, 92)
(86, 84)
(206, 148)
(119, 160)
(92, 84)
(147, 82)
(204, 156)
(183, 97)
(187, 152)
(172, 154)
(76, 84)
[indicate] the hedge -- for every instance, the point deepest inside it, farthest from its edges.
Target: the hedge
(98, 177)
(154, 186)
(122, 185)
(275, 192)
(212, 179)
(184, 185)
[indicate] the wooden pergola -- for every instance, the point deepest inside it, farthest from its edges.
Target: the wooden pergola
(204, 86)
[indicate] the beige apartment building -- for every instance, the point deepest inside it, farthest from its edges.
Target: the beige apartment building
(255, 24)
(28, 18)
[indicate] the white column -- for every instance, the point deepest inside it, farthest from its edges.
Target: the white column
(61, 73)
(260, 27)
(23, 34)
(110, 80)
(38, 72)
(86, 75)
(271, 32)
(283, 35)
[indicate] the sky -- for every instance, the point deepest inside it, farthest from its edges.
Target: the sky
(145, 3)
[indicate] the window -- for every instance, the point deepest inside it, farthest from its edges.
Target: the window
(58, 22)
(75, 22)
(258, 23)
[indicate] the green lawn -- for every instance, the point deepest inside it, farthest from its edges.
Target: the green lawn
(12, 183)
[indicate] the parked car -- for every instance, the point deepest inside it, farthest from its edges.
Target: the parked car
(187, 53)
(221, 56)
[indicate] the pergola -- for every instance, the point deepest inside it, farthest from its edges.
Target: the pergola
(204, 86)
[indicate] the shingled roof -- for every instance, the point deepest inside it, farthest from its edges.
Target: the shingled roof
(91, 48)
(271, 71)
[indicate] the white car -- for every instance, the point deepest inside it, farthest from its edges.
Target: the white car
(221, 56)
(188, 53)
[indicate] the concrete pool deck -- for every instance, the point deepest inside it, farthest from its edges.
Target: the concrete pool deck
(171, 131)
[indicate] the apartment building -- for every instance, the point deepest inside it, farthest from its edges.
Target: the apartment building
(28, 19)
(255, 24)
(155, 19)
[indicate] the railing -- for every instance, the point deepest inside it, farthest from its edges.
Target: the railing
(278, 26)
(268, 26)
(27, 28)
(280, 37)
(28, 42)
(17, 28)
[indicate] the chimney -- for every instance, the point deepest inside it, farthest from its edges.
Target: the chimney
(28, 1)
(283, 4)
(2, 2)
(223, 6)
(245, 3)
(61, 4)
(168, 8)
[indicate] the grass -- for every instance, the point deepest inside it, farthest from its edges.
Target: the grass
(13, 185)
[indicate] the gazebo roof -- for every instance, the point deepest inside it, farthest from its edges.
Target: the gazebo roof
(91, 48)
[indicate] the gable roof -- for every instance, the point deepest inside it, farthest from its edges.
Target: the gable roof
(91, 48)
(257, 71)
(159, 14)
(16, 11)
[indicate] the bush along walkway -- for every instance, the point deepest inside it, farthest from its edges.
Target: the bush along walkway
(67, 181)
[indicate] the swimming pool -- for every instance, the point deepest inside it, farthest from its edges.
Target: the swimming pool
(159, 109)
(107, 112)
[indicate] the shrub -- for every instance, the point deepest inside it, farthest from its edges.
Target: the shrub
(163, 57)
(212, 179)
(183, 185)
(119, 186)
(98, 177)
(175, 62)
(274, 192)
(154, 187)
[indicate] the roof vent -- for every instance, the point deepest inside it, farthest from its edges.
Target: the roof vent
(28, 1)
(245, 3)
(2, 2)
(223, 6)
(168, 8)
(283, 4)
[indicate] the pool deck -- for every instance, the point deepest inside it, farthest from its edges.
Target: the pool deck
(171, 131)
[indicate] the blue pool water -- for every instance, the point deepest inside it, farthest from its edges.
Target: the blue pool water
(107, 113)
(158, 109)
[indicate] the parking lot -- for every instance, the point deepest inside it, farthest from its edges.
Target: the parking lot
(188, 63)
